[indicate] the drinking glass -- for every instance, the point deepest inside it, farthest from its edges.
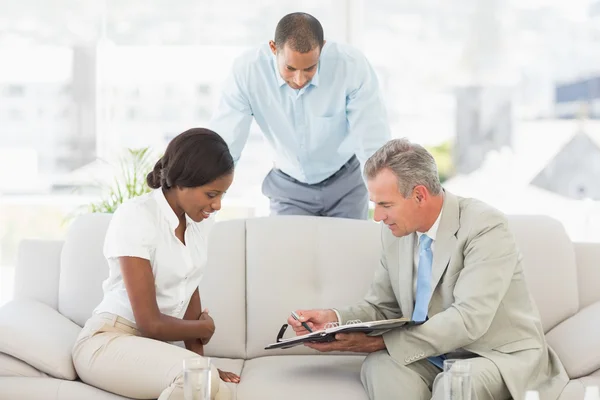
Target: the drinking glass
(457, 379)
(196, 378)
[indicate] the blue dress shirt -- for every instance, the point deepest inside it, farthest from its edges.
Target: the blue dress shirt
(312, 131)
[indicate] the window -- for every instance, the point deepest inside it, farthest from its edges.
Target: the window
(501, 87)
(456, 76)
(14, 91)
(15, 114)
(132, 114)
(203, 90)
(115, 73)
(203, 114)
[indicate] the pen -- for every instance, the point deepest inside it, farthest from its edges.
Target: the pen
(304, 324)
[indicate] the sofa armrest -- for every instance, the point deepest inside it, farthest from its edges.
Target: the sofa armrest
(38, 270)
(576, 341)
(37, 334)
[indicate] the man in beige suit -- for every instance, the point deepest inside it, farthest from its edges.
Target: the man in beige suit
(453, 263)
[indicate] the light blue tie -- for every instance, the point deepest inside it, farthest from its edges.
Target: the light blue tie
(424, 288)
(423, 279)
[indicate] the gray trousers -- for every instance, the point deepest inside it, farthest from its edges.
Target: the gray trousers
(385, 379)
(343, 195)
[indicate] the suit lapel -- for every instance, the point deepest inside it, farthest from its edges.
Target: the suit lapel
(405, 274)
(445, 241)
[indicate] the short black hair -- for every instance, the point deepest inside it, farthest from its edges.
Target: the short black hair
(193, 158)
(301, 31)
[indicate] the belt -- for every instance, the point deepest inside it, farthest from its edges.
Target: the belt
(115, 320)
(348, 163)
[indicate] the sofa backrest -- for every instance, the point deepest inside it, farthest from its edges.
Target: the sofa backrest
(84, 268)
(315, 262)
(550, 266)
(38, 270)
(300, 263)
(588, 269)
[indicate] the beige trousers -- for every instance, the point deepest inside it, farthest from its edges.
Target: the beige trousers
(110, 354)
(383, 379)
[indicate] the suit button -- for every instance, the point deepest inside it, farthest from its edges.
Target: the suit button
(406, 360)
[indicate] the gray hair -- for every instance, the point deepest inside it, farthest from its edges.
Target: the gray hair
(412, 164)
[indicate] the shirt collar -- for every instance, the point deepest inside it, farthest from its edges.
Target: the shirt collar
(280, 80)
(432, 232)
(165, 208)
(315, 79)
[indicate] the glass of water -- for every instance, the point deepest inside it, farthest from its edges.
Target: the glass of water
(196, 378)
(457, 379)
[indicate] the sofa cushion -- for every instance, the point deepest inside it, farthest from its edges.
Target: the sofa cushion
(83, 267)
(549, 264)
(38, 269)
(38, 335)
(304, 262)
(575, 389)
(11, 366)
(588, 268)
(577, 342)
(51, 389)
(223, 289)
(318, 377)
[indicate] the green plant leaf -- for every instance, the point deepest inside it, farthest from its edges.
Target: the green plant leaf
(130, 181)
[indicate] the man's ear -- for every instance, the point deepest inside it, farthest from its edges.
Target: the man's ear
(273, 47)
(420, 194)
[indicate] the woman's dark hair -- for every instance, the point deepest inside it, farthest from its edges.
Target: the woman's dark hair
(193, 158)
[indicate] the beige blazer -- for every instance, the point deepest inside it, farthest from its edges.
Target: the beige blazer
(480, 301)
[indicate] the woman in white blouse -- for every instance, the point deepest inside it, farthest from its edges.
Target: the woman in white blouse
(156, 252)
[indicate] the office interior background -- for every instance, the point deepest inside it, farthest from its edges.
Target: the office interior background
(505, 93)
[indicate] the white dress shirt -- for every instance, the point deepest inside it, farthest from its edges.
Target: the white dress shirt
(144, 227)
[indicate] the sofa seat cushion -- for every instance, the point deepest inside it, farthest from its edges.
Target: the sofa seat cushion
(292, 377)
(575, 389)
(11, 366)
(51, 389)
(577, 341)
(38, 335)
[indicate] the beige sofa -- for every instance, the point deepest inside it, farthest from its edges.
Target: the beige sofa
(260, 270)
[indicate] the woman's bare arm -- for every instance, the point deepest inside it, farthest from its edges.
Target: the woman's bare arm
(139, 282)
(192, 314)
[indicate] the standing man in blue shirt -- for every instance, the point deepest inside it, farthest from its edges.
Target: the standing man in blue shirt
(320, 109)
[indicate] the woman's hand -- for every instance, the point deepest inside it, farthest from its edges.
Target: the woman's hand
(208, 327)
(228, 376)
